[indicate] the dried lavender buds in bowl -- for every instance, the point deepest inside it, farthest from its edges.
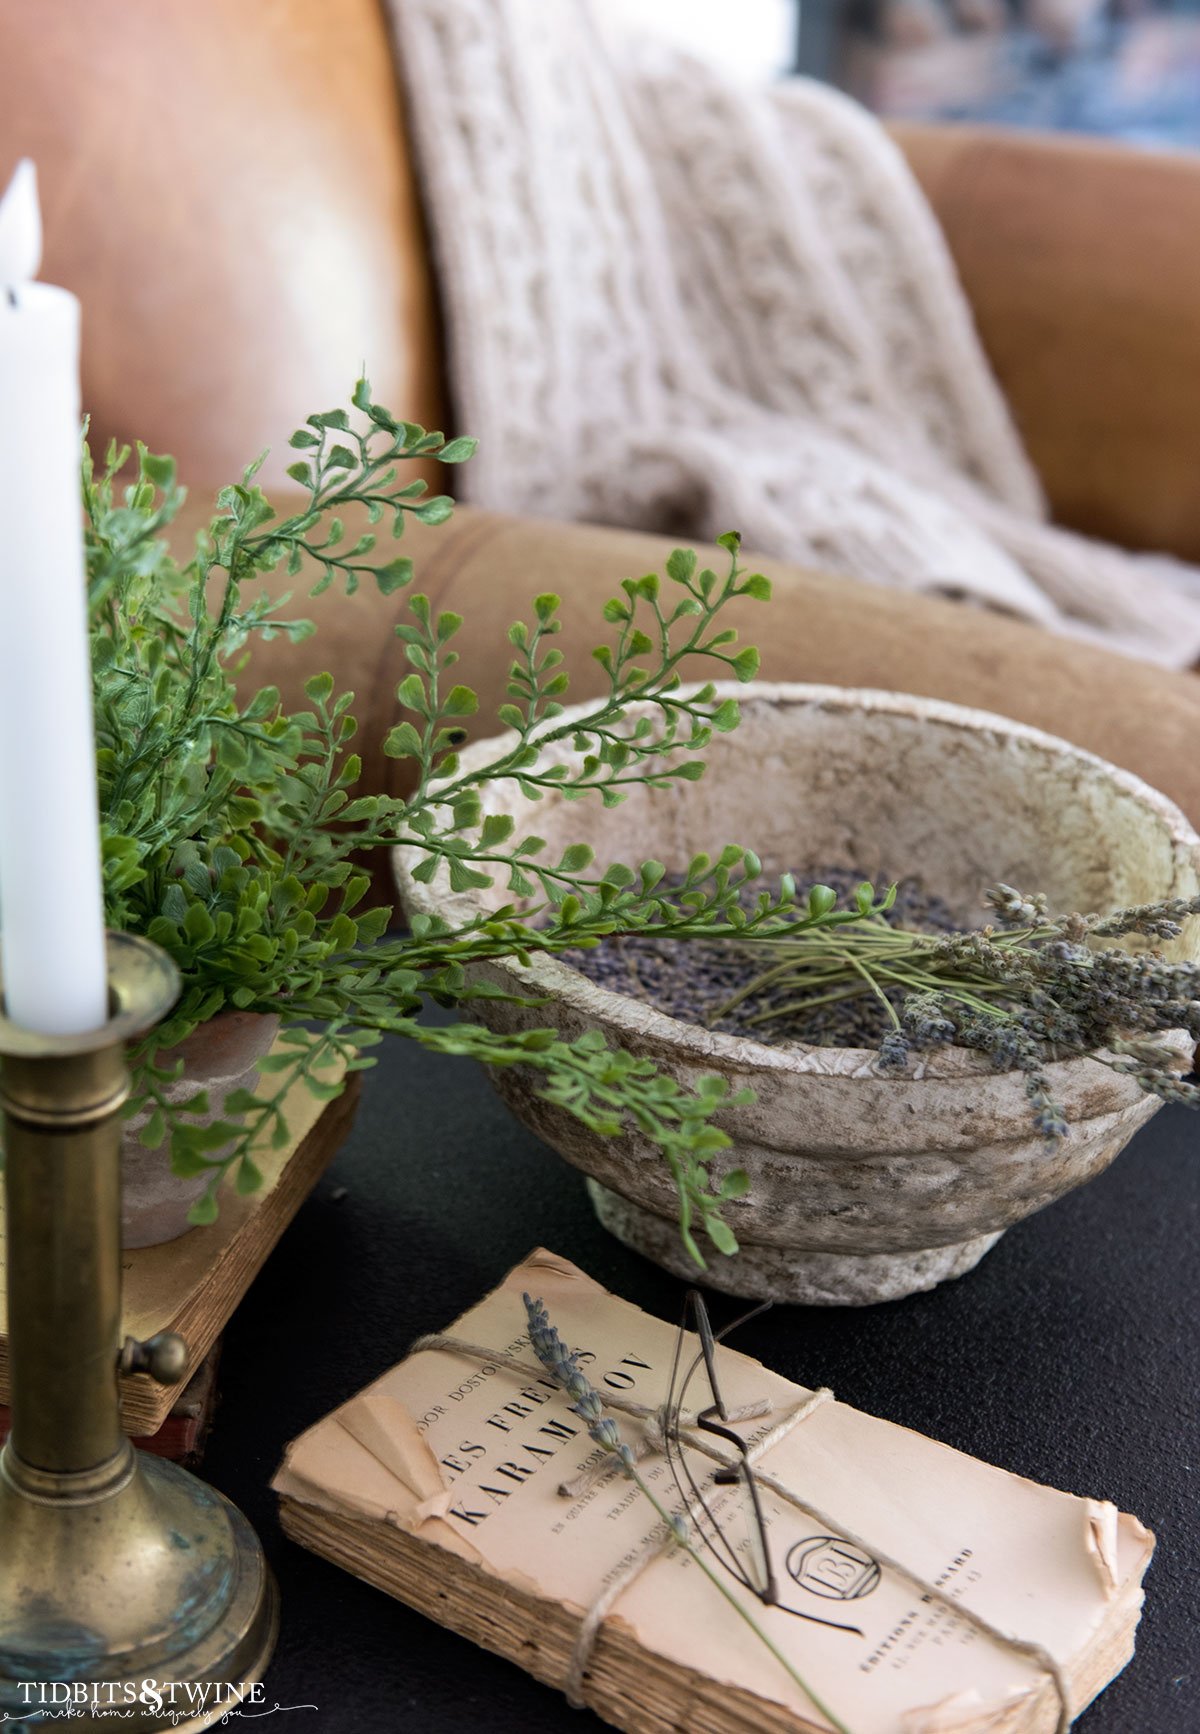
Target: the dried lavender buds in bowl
(907, 979)
(736, 986)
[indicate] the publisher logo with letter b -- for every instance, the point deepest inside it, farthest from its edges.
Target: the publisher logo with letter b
(830, 1567)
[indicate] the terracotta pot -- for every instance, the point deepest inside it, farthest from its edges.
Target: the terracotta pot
(863, 1187)
(220, 1056)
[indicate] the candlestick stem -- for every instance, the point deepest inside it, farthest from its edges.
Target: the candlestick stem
(62, 1178)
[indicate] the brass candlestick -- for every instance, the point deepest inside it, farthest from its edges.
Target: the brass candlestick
(126, 1584)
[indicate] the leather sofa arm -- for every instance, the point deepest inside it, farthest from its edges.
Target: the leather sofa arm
(488, 568)
(1081, 260)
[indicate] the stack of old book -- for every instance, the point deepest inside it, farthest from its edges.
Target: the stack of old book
(960, 1598)
(193, 1285)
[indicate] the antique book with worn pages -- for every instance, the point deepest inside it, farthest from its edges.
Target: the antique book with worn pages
(184, 1434)
(193, 1285)
(963, 1598)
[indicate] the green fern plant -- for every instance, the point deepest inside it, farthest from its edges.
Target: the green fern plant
(233, 834)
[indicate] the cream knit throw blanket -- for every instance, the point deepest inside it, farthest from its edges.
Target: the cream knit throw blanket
(677, 304)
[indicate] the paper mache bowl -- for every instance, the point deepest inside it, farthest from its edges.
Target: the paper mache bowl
(864, 1186)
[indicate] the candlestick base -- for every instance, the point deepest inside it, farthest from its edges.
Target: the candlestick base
(134, 1588)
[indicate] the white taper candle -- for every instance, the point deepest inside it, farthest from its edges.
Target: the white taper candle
(51, 906)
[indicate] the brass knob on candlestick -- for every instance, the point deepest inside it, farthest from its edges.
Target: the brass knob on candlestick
(163, 1356)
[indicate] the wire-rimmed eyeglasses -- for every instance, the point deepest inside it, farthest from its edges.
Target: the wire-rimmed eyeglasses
(734, 1528)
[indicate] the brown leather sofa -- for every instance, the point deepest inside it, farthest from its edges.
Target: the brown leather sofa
(229, 190)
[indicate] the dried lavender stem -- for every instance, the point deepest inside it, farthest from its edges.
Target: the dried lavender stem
(835, 1722)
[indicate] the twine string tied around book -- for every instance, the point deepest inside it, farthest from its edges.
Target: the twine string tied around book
(654, 1421)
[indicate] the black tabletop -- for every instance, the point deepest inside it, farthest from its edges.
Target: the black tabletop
(1070, 1355)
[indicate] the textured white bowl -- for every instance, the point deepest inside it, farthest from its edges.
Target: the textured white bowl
(863, 1187)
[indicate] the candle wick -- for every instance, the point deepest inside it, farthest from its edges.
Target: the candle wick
(12, 296)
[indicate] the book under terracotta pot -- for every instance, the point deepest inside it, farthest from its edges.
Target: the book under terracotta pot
(220, 1056)
(863, 1186)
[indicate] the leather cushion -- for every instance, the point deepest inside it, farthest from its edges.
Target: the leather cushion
(1080, 259)
(228, 191)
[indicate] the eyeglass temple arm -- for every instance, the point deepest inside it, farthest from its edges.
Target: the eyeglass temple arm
(725, 1476)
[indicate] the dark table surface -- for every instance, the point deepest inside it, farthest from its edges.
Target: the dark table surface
(1070, 1355)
